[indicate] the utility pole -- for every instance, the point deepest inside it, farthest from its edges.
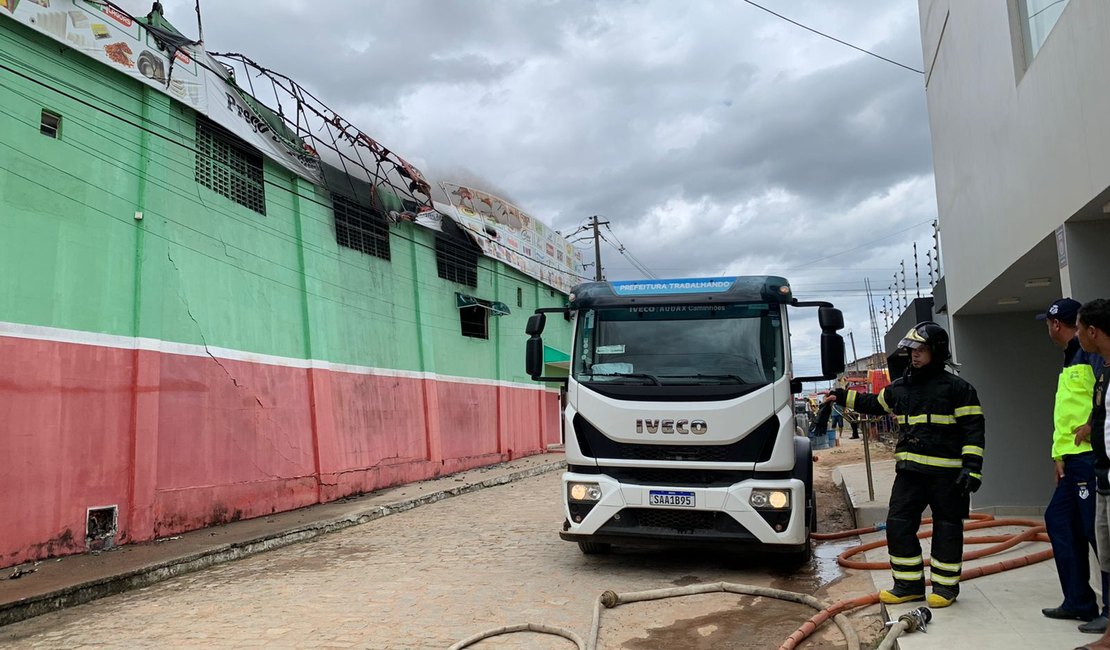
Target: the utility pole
(852, 338)
(597, 247)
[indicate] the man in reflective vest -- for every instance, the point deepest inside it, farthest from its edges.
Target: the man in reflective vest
(939, 464)
(1070, 515)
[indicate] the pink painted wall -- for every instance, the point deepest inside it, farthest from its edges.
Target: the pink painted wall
(179, 442)
(64, 418)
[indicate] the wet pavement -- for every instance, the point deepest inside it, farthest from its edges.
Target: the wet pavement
(430, 576)
(993, 612)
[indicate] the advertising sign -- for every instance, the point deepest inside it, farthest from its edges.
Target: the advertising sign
(508, 234)
(192, 77)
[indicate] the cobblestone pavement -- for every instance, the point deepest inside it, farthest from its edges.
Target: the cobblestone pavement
(434, 575)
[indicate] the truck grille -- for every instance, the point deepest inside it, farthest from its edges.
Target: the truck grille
(666, 521)
(676, 476)
(756, 447)
(677, 519)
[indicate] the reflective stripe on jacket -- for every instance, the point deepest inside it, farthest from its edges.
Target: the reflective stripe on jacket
(941, 425)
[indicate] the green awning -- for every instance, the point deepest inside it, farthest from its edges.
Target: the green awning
(495, 308)
(555, 357)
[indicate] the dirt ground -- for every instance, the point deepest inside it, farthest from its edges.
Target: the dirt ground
(833, 512)
(833, 515)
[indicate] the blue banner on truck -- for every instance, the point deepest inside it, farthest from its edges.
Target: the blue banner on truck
(664, 287)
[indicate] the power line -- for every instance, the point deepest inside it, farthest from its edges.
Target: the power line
(623, 250)
(833, 38)
(863, 245)
(193, 150)
(634, 263)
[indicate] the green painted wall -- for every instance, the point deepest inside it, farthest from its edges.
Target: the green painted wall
(199, 268)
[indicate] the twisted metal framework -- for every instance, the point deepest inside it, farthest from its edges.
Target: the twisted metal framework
(309, 118)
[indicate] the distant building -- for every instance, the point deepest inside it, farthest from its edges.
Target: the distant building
(205, 316)
(1018, 107)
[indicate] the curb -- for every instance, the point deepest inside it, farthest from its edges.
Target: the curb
(154, 573)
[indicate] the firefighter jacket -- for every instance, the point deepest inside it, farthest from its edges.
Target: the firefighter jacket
(1074, 390)
(941, 427)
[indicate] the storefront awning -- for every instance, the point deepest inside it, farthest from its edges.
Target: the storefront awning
(495, 308)
(557, 358)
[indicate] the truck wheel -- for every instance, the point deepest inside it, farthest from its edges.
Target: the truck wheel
(594, 548)
(803, 556)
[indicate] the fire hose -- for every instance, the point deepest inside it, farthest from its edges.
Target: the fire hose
(1034, 532)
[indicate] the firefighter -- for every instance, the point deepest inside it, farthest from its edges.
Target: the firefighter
(939, 463)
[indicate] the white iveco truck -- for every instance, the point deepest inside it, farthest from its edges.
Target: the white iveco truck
(679, 414)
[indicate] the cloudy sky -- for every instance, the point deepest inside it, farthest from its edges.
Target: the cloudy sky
(716, 138)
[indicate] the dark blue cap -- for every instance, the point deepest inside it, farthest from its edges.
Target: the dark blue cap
(1064, 309)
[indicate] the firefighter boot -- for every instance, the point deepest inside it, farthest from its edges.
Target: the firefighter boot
(943, 595)
(903, 591)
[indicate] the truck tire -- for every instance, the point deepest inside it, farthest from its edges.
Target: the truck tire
(594, 548)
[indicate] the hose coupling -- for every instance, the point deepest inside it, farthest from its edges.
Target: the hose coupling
(610, 599)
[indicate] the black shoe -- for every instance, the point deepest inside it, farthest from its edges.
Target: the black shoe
(1096, 625)
(1068, 614)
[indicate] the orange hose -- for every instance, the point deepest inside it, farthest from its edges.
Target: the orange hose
(1035, 532)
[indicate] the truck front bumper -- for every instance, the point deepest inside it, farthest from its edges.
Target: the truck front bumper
(625, 514)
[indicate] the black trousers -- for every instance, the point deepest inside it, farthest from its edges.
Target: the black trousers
(912, 492)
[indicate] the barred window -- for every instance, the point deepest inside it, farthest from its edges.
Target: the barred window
(228, 166)
(360, 228)
(457, 262)
(475, 321)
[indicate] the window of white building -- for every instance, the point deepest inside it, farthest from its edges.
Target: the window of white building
(1038, 17)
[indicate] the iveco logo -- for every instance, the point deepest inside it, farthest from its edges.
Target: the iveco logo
(684, 427)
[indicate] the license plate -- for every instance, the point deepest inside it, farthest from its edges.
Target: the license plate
(671, 498)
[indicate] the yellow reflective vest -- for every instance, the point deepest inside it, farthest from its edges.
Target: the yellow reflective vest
(1074, 389)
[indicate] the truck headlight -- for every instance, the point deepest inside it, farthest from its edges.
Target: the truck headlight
(584, 492)
(770, 499)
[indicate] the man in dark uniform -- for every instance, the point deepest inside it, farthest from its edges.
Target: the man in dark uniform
(939, 464)
(1070, 516)
(1094, 335)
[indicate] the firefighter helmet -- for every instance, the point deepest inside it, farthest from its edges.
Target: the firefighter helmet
(930, 334)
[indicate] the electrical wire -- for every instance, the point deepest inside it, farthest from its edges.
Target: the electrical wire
(628, 254)
(197, 152)
(863, 245)
(833, 38)
(39, 75)
(635, 264)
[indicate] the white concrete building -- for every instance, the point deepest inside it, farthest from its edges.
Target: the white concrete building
(1019, 107)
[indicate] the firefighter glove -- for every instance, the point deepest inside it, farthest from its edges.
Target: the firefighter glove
(841, 396)
(967, 481)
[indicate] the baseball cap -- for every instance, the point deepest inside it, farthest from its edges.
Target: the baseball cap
(1064, 309)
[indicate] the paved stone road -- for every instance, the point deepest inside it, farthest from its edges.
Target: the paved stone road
(429, 577)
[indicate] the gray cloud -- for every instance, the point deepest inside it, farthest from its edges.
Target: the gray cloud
(717, 139)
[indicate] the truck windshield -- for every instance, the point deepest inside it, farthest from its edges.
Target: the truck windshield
(680, 344)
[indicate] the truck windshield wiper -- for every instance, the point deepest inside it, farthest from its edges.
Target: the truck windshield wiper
(737, 378)
(634, 375)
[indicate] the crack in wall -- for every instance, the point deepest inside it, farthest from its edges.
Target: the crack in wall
(323, 483)
(200, 331)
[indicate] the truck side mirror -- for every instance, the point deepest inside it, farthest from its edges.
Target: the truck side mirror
(832, 352)
(830, 318)
(536, 323)
(533, 354)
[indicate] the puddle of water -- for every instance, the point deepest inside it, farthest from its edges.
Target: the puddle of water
(764, 623)
(818, 573)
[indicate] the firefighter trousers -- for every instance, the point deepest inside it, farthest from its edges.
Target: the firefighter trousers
(911, 494)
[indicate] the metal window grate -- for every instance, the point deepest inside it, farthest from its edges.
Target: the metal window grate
(475, 321)
(229, 167)
(456, 262)
(360, 228)
(50, 124)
